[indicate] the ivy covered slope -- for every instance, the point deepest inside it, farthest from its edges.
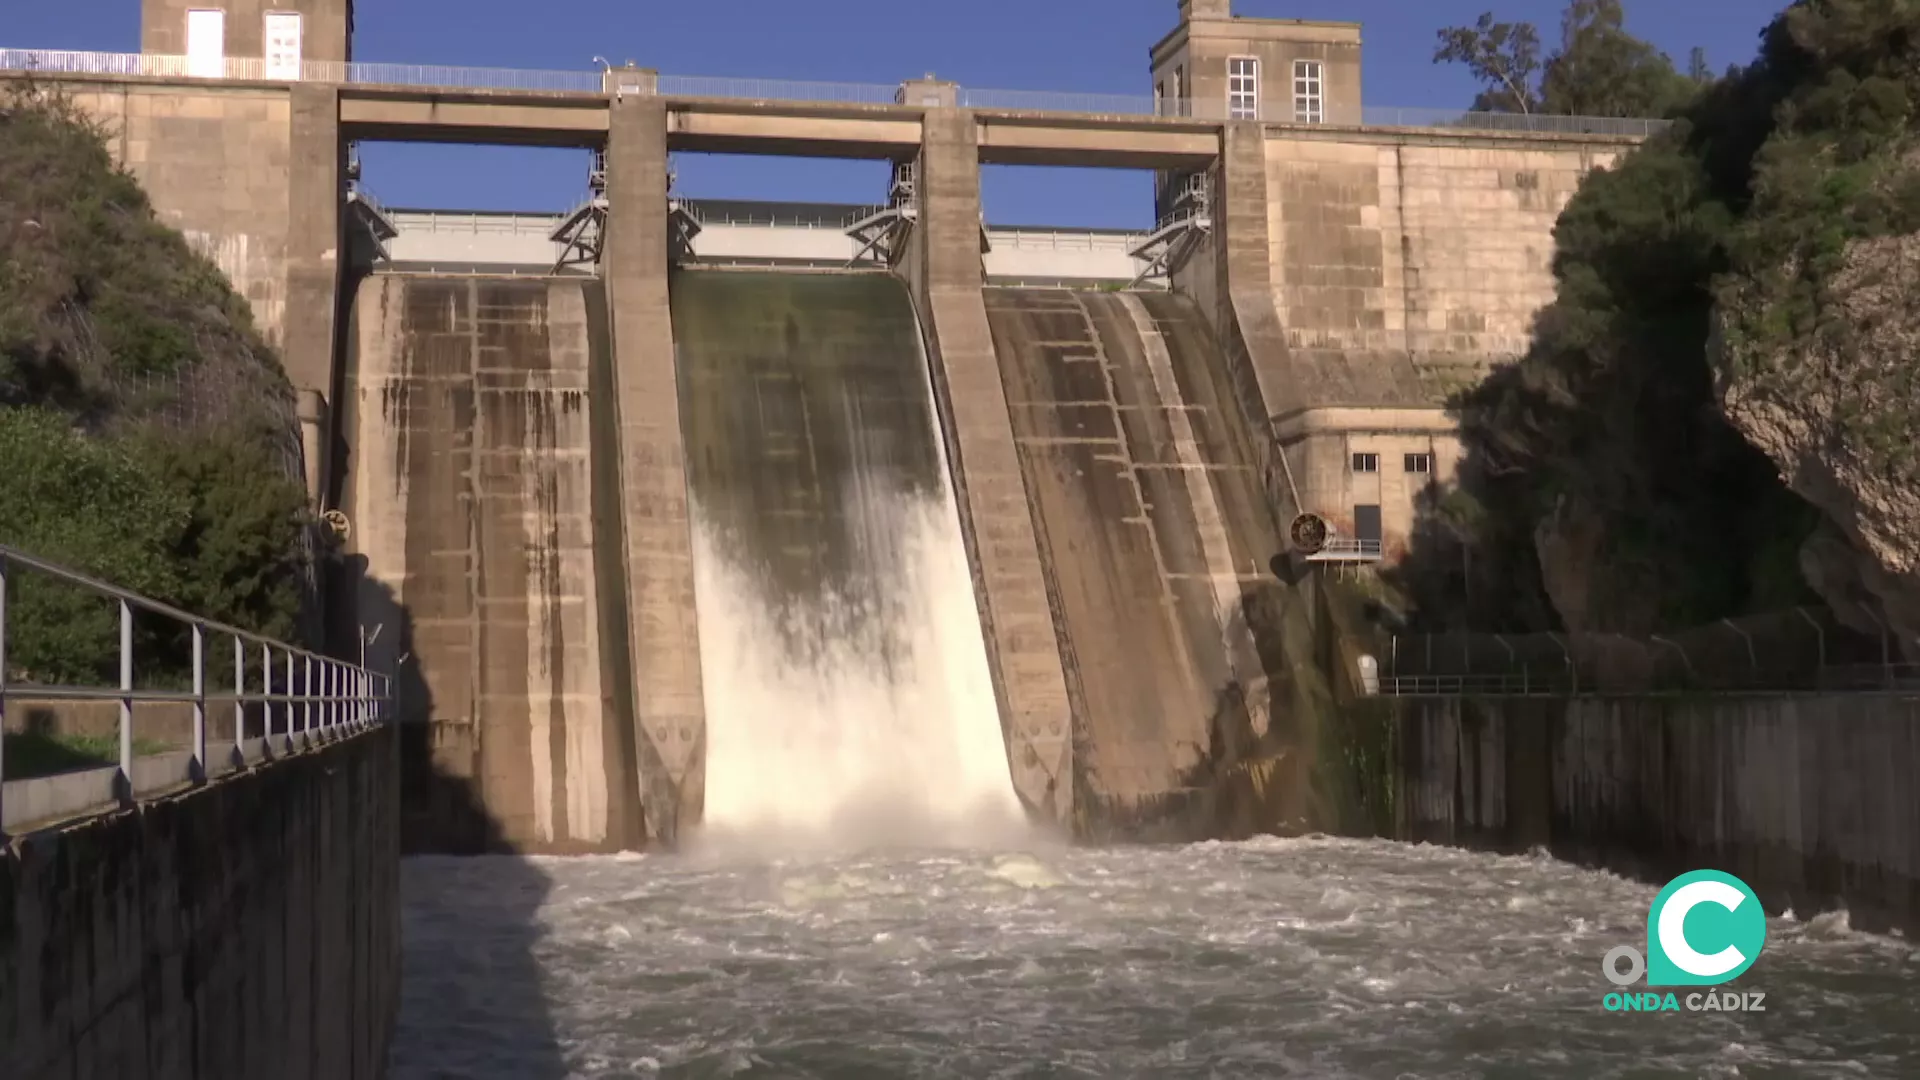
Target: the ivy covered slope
(1714, 417)
(145, 429)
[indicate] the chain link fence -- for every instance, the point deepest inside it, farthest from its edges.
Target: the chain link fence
(1797, 649)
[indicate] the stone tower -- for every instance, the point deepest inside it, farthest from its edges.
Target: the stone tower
(274, 30)
(1217, 65)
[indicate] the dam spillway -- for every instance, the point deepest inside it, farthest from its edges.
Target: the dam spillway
(470, 490)
(847, 686)
(846, 680)
(1156, 538)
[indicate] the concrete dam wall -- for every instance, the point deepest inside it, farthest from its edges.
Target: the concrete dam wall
(1808, 798)
(471, 492)
(249, 928)
(1156, 540)
(846, 680)
(846, 677)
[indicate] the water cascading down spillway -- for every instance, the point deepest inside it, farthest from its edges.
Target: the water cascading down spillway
(849, 700)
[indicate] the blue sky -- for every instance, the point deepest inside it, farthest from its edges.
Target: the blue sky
(1088, 46)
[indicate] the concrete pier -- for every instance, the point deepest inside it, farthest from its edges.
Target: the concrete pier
(663, 638)
(945, 269)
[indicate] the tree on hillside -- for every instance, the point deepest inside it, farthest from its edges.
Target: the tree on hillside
(1598, 68)
(1504, 56)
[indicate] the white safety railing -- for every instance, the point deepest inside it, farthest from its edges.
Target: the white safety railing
(1071, 240)
(318, 698)
(1347, 549)
(625, 80)
(826, 93)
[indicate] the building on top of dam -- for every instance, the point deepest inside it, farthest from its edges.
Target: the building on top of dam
(1402, 257)
(503, 408)
(1235, 68)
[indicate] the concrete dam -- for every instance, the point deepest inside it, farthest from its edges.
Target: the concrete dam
(845, 675)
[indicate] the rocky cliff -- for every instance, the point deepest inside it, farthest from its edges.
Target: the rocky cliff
(1713, 419)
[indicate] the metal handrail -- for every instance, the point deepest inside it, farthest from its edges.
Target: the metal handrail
(600, 84)
(1521, 684)
(1838, 678)
(334, 697)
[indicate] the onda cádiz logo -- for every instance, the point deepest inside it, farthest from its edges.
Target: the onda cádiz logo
(1705, 928)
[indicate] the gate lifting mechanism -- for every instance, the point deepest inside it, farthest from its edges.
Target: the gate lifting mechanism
(582, 233)
(1180, 229)
(882, 233)
(367, 226)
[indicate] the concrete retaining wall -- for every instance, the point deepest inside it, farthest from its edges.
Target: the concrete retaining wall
(246, 929)
(1809, 799)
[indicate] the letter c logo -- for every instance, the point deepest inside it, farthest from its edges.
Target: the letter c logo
(1673, 928)
(1724, 912)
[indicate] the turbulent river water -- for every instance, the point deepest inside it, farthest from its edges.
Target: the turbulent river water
(1312, 958)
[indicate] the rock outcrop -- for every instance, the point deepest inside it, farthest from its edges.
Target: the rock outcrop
(1834, 411)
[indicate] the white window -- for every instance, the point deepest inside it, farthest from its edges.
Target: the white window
(1243, 88)
(207, 44)
(283, 45)
(1419, 463)
(1309, 100)
(1363, 463)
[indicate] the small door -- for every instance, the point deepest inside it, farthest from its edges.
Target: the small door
(207, 44)
(1366, 523)
(283, 46)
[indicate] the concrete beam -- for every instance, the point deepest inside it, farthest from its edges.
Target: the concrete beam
(795, 136)
(1009, 583)
(1350, 420)
(1114, 144)
(656, 547)
(577, 122)
(316, 192)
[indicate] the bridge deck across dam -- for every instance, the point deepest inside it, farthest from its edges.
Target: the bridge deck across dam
(571, 109)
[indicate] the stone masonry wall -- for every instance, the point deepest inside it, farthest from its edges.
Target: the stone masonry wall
(214, 162)
(247, 929)
(1808, 798)
(1438, 252)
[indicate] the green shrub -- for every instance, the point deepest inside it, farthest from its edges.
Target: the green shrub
(98, 297)
(92, 505)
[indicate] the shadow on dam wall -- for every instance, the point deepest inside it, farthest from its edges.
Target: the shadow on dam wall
(472, 496)
(1191, 668)
(458, 400)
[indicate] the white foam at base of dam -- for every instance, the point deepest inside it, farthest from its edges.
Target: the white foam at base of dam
(852, 747)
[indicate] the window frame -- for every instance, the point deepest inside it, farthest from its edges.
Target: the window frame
(1309, 92)
(1363, 461)
(288, 67)
(1418, 463)
(1243, 104)
(204, 60)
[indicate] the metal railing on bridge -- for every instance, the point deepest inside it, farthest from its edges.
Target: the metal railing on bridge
(1793, 651)
(298, 698)
(628, 80)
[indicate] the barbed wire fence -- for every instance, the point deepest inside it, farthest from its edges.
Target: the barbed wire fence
(1803, 648)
